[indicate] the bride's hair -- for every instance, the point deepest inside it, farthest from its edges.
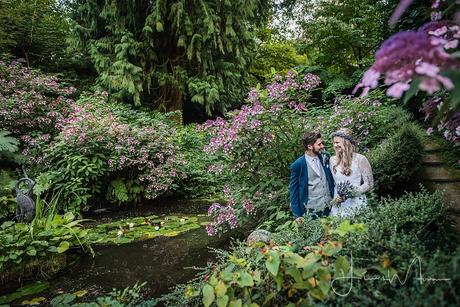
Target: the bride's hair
(345, 157)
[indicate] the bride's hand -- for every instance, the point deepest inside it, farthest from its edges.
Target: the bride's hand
(338, 200)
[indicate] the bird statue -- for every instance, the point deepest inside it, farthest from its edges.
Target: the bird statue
(25, 209)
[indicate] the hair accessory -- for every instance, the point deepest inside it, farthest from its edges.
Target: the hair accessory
(343, 135)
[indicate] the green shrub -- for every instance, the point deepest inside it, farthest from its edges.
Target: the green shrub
(395, 161)
(402, 232)
(270, 275)
(206, 174)
(22, 243)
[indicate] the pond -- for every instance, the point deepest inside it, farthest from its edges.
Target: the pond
(161, 262)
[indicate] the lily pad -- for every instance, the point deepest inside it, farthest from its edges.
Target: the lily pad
(141, 228)
(29, 289)
(34, 301)
(80, 293)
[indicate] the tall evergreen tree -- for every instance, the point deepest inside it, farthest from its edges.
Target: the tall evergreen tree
(164, 52)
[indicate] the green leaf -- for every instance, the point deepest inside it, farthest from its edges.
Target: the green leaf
(208, 295)
(455, 93)
(32, 252)
(412, 90)
(331, 249)
(159, 26)
(7, 224)
(342, 267)
(345, 227)
(8, 143)
(63, 246)
(213, 280)
(28, 289)
(220, 288)
(324, 280)
(295, 273)
(63, 299)
(222, 301)
(309, 261)
(80, 293)
(236, 303)
(318, 294)
(227, 274)
(147, 29)
(245, 280)
(34, 301)
(273, 263)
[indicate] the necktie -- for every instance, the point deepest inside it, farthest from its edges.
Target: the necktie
(316, 165)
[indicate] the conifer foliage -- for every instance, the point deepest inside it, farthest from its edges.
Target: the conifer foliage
(166, 52)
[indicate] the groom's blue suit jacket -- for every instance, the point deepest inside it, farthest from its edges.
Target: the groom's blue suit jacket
(298, 188)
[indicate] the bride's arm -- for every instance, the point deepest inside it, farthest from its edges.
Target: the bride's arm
(366, 174)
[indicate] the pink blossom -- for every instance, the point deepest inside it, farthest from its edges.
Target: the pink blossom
(429, 85)
(397, 89)
(427, 69)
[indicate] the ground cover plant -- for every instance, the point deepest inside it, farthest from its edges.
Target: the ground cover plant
(27, 247)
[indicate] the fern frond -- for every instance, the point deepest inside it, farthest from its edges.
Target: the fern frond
(8, 143)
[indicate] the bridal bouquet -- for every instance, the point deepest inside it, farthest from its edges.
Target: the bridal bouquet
(345, 190)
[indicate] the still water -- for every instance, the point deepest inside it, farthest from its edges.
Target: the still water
(162, 262)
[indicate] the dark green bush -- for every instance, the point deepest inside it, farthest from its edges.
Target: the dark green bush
(395, 161)
(403, 233)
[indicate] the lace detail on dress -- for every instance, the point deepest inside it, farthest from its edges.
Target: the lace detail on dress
(361, 172)
(366, 174)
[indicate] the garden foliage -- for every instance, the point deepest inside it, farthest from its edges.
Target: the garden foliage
(423, 62)
(32, 105)
(264, 137)
(34, 31)
(378, 243)
(397, 159)
(22, 243)
(274, 57)
(93, 151)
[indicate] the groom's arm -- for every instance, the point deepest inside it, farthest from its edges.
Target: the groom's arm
(294, 191)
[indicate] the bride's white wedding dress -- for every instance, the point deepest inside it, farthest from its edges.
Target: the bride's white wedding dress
(362, 180)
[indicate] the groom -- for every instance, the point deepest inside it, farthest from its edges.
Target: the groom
(311, 186)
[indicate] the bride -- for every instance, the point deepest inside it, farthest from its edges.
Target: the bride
(348, 165)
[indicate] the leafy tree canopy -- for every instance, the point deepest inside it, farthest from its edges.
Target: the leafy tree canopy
(33, 30)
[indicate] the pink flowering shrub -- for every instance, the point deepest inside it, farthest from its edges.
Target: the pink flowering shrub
(97, 147)
(426, 61)
(262, 138)
(32, 105)
(419, 56)
(292, 87)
